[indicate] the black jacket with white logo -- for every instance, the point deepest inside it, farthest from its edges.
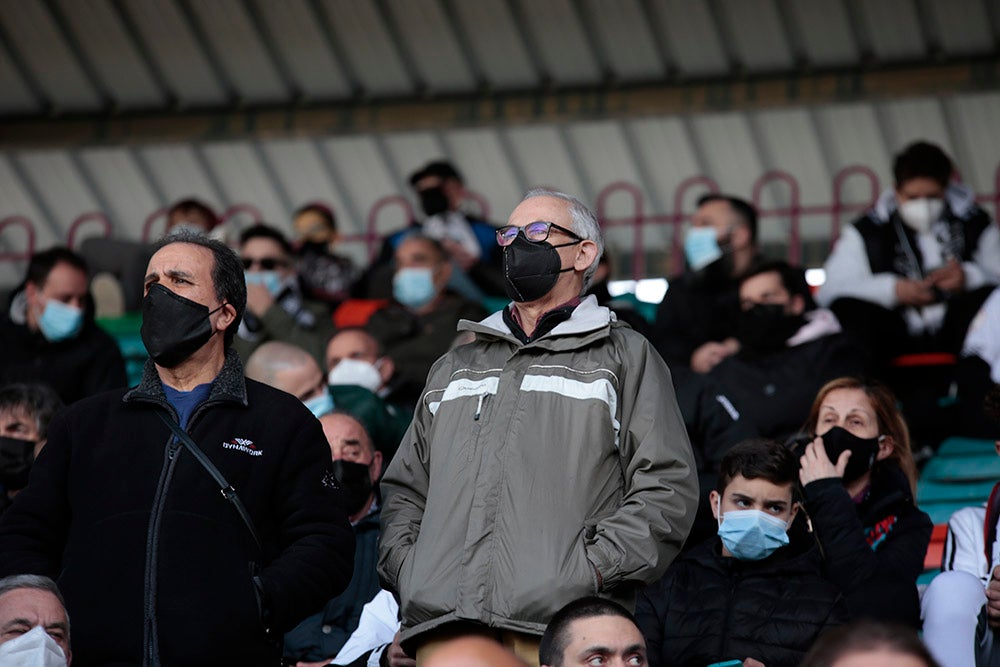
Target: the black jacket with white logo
(156, 566)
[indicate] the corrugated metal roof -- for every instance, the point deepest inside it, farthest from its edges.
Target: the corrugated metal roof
(109, 55)
(113, 58)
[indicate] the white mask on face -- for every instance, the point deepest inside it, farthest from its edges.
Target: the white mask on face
(32, 649)
(920, 214)
(356, 372)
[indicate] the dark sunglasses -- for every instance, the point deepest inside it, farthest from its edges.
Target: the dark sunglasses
(266, 263)
(536, 232)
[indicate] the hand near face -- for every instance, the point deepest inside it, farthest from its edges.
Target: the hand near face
(708, 355)
(258, 299)
(948, 278)
(815, 464)
(750, 662)
(914, 292)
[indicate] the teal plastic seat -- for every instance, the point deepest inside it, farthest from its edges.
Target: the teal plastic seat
(970, 468)
(970, 493)
(926, 577)
(956, 446)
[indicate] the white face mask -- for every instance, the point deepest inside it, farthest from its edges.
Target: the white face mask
(920, 214)
(356, 372)
(32, 649)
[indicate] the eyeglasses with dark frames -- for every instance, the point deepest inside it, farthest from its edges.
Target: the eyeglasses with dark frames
(536, 232)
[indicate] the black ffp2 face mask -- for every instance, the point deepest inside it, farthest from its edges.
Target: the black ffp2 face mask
(173, 327)
(355, 484)
(433, 201)
(530, 269)
(863, 451)
(766, 327)
(16, 457)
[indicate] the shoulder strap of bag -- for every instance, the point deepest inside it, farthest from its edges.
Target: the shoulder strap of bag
(228, 492)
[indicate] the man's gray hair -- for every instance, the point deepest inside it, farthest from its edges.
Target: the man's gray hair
(36, 582)
(584, 224)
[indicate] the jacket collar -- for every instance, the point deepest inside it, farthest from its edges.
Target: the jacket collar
(587, 318)
(229, 385)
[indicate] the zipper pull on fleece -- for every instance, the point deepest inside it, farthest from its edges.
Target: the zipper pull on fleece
(479, 408)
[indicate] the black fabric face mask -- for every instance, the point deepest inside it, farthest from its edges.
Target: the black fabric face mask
(355, 484)
(765, 327)
(863, 451)
(173, 327)
(16, 457)
(531, 269)
(433, 201)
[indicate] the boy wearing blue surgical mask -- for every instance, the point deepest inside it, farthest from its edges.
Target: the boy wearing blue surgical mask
(751, 593)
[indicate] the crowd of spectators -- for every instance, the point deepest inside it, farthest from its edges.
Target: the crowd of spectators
(738, 471)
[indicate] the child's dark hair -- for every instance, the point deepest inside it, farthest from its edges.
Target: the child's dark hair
(757, 458)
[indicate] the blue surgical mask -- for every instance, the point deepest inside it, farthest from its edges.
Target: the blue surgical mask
(701, 247)
(60, 321)
(321, 404)
(269, 279)
(413, 287)
(752, 534)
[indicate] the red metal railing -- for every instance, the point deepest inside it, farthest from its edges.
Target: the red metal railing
(638, 220)
(81, 220)
(29, 230)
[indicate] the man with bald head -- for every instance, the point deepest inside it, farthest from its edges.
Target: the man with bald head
(124, 505)
(557, 421)
(358, 466)
(419, 324)
(294, 371)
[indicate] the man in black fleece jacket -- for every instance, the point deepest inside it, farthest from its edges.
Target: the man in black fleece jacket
(156, 566)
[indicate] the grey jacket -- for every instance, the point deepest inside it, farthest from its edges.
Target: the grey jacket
(527, 466)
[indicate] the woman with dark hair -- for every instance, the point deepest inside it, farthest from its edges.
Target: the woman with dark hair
(863, 644)
(859, 480)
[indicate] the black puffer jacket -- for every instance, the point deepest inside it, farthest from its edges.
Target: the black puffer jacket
(156, 566)
(874, 551)
(709, 608)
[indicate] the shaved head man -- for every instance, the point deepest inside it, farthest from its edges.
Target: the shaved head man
(592, 628)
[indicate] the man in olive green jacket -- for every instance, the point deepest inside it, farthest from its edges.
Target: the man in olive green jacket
(547, 459)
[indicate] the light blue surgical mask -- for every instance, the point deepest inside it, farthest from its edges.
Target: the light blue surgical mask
(413, 287)
(269, 279)
(752, 534)
(320, 405)
(701, 248)
(60, 321)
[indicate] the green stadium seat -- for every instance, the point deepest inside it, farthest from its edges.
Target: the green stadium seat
(970, 493)
(956, 446)
(970, 468)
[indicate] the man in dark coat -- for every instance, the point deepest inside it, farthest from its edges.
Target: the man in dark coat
(48, 334)
(158, 567)
(696, 322)
(748, 593)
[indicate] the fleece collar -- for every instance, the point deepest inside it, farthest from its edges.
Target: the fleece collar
(229, 386)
